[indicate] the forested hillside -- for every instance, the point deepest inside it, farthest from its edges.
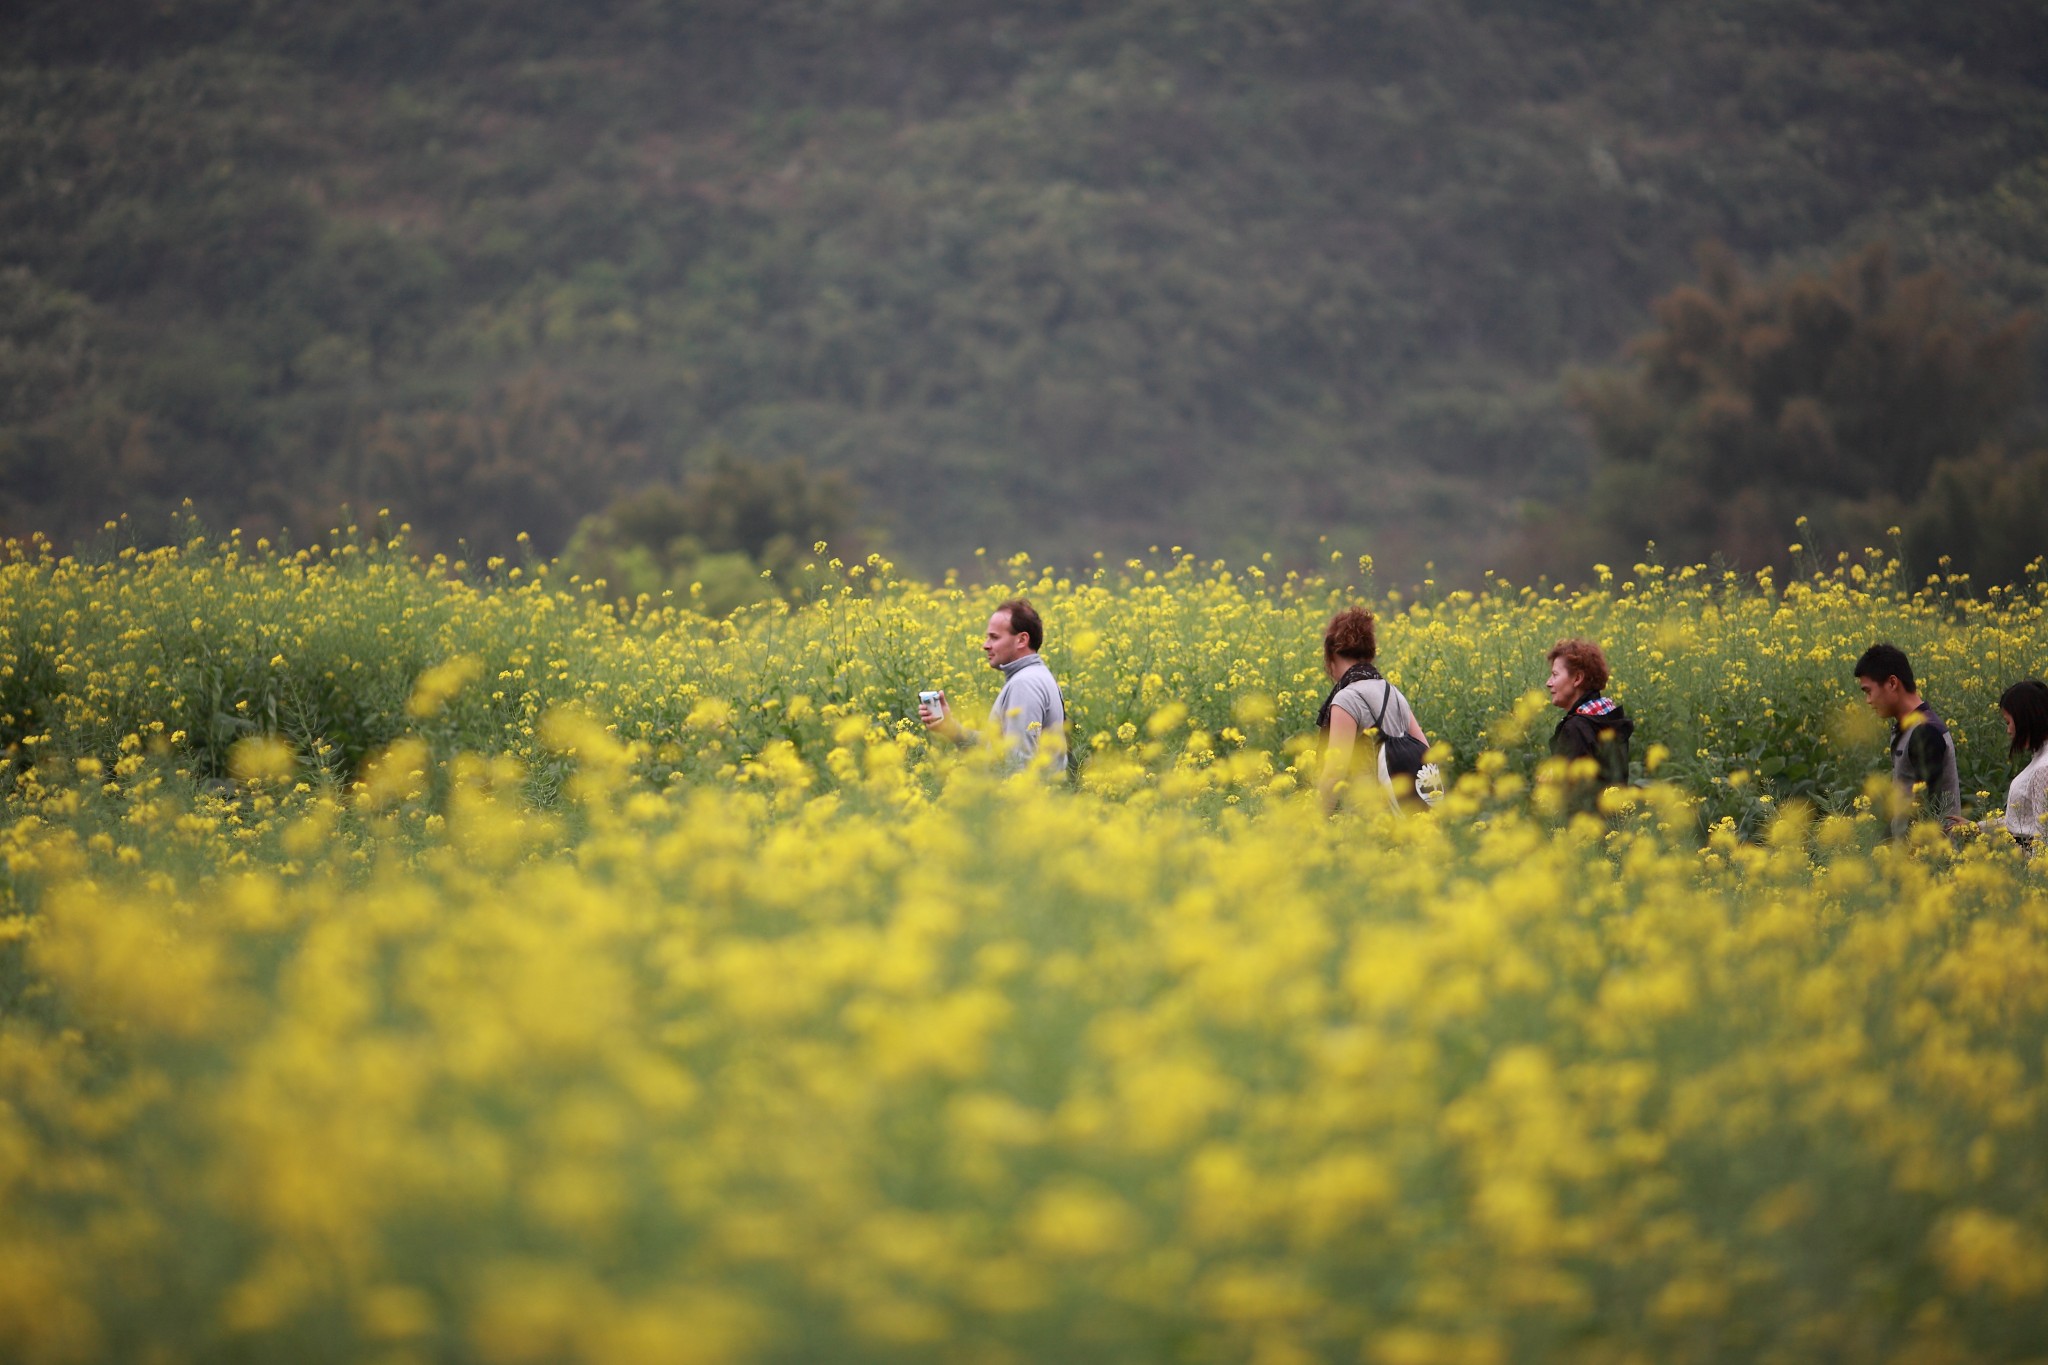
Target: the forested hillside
(1060, 275)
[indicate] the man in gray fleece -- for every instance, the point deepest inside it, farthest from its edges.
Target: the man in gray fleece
(1029, 713)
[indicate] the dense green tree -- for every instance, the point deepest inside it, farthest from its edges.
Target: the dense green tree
(46, 346)
(733, 533)
(1987, 513)
(1836, 396)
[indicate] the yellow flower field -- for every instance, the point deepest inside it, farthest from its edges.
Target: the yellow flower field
(1201, 677)
(404, 963)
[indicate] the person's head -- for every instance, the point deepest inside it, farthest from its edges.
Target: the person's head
(1578, 669)
(2024, 709)
(1350, 638)
(1886, 677)
(1014, 631)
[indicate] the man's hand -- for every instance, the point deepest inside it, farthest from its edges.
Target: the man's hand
(939, 719)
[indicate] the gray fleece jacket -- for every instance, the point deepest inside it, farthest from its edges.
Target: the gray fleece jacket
(1027, 709)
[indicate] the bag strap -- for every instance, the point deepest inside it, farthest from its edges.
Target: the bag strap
(1386, 700)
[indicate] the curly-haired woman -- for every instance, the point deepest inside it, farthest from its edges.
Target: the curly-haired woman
(1360, 702)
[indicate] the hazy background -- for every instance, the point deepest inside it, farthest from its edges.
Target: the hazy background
(680, 284)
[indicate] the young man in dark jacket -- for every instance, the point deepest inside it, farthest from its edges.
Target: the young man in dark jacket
(1923, 752)
(1594, 726)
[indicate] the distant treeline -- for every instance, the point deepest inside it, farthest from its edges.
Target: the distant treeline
(1059, 275)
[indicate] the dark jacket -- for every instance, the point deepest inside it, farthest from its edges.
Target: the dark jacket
(1596, 728)
(1924, 761)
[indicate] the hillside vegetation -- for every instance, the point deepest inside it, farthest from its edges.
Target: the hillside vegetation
(1058, 275)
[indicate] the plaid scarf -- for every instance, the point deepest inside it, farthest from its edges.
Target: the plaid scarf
(1355, 673)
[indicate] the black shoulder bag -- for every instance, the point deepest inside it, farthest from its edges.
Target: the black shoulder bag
(1404, 752)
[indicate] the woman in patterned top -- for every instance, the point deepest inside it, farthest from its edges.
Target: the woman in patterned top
(2024, 708)
(1594, 725)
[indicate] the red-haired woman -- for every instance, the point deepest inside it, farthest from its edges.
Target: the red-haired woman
(1594, 726)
